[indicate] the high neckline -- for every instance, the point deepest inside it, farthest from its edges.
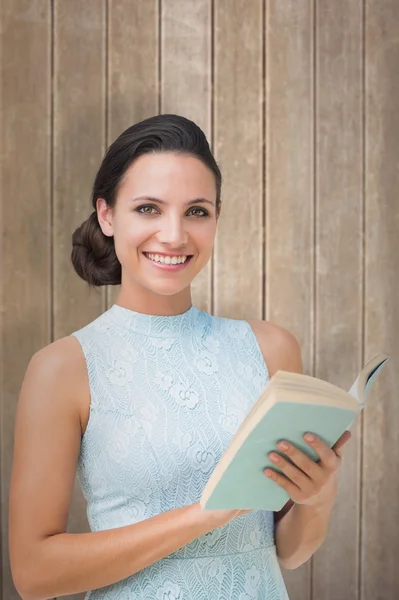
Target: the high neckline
(154, 325)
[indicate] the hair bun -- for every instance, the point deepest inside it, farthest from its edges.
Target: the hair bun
(93, 254)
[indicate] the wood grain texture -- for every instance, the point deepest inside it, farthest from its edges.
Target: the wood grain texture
(186, 84)
(2, 292)
(132, 63)
(133, 90)
(238, 138)
(339, 230)
(289, 188)
(335, 287)
(79, 143)
(25, 194)
(380, 514)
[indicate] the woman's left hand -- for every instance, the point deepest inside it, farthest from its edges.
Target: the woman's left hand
(306, 481)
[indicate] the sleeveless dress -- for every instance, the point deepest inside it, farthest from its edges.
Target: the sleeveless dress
(168, 394)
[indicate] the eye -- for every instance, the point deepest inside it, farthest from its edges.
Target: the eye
(147, 209)
(198, 212)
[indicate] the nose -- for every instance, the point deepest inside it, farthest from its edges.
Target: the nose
(173, 232)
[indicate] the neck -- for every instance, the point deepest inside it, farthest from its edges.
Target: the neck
(143, 300)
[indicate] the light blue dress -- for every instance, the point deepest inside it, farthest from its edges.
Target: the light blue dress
(167, 396)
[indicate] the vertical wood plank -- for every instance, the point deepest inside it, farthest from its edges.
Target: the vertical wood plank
(289, 187)
(79, 143)
(25, 196)
(186, 84)
(132, 70)
(238, 138)
(339, 280)
(132, 63)
(2, 291)
(380, 514)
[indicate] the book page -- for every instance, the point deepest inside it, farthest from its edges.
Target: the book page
(366, 378)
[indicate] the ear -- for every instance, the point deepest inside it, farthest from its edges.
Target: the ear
(104, 215)
(218, 211)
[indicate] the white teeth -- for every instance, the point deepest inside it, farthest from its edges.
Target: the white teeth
(167, 260)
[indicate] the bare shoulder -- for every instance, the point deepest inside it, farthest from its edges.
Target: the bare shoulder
(280, 348)
(63, 353)
(62, 360)
(60, 370)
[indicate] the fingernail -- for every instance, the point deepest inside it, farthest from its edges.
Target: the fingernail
(309, 437)
(282, 446)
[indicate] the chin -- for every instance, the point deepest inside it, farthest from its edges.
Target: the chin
(166, 290)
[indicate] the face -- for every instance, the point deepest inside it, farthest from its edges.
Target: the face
(163, 222)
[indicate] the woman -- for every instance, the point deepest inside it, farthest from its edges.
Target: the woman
(144, 400)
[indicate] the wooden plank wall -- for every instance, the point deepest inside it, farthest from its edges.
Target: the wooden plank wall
(299, 99)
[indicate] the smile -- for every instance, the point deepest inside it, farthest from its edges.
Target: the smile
(171, 262)
(167, 260)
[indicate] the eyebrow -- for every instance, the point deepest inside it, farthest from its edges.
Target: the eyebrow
(190, 203)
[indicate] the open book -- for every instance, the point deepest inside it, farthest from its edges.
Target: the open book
(291, 405)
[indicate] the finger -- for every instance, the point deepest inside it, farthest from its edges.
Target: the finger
(300, 459)
(291, 472)
(292, 490)
(338, 446)
(329, 460)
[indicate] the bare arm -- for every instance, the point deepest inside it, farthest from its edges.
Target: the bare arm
(67, 563)
(301, 532)
(45, 560)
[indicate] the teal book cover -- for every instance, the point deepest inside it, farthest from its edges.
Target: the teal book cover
(238, 481)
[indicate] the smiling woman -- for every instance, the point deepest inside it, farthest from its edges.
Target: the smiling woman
(165, 205)
(157, 192)
(143, 402)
